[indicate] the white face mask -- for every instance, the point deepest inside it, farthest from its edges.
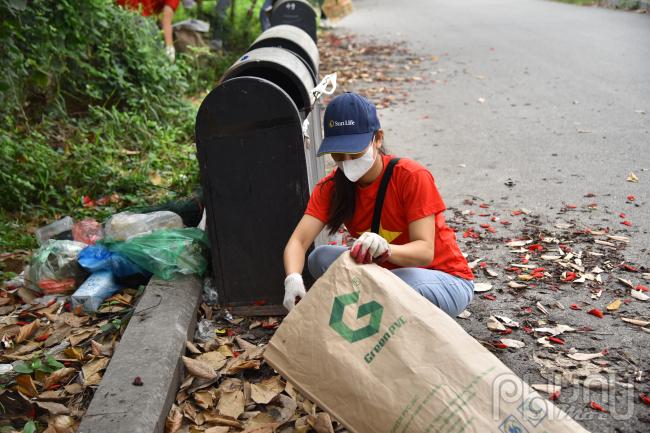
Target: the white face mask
(354, 169)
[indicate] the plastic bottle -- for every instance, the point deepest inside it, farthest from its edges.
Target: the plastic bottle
(95, 290)
(56, 228)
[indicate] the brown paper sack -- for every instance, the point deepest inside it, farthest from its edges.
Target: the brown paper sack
(379, 358)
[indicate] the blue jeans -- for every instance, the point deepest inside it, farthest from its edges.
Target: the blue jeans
(451, 294)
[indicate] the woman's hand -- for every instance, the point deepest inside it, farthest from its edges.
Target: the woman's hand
(370, 247)
(293, 288)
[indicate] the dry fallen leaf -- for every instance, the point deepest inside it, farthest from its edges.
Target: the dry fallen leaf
(283, 408)
(199, 368)
(214, 359)
(231, 404)
(217, 429)
(264, 391)
(638, 294)
(516, 344)
(94, 367)
(53, 408)
(26, 385)
(203, 399)
(482, 287)
(59, 376)
(584, 356)
(322, 422)
(546, 388)
(516, 285)
(27, 331)
(614, 305)
(636, 321)
(494, 324)
(632, 177)
(174, 420)
(266, 428)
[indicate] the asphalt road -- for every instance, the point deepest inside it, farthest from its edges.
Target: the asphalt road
(555, 98)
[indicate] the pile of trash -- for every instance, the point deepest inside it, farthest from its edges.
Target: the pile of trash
(62, 316)
(99, 260)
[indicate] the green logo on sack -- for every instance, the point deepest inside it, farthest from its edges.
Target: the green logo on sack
(336, 319)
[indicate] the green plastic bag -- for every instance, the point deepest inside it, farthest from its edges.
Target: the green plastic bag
(166, 252)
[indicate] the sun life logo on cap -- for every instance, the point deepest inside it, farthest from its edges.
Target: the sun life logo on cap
(348, 122)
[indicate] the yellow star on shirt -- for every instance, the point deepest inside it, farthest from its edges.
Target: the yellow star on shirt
(386, 234)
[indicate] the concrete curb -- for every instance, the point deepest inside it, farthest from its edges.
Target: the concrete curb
(151, 348)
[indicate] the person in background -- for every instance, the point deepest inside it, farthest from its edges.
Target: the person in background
(163, 8)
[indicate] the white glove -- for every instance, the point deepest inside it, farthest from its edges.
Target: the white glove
(171, 52)
(370, 246)
(293, 287)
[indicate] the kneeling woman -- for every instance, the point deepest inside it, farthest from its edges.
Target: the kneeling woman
(409, 235)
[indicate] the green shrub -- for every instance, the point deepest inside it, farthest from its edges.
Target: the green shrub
(66, 55)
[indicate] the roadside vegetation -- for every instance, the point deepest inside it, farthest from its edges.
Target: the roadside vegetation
(93, 116)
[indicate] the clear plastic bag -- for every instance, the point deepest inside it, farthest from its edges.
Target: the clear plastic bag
(57, 228)
(165, 253)
(126, 225)
(210, 294)
(54, 269)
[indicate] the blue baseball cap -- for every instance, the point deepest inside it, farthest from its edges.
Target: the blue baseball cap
(350, 122)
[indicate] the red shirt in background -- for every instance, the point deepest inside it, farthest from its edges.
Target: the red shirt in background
(149, 7)
(411, 195)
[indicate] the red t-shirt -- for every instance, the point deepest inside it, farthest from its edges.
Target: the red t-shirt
(411, 195)
(149, 7)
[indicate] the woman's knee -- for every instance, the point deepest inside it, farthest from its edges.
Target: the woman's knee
(321, 258)
(441, 290)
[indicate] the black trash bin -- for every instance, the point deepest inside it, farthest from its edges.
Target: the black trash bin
(293, 39)
(298, 42)
(254, 175)
(298, 13)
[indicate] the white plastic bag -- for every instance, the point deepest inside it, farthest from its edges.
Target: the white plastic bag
(125, 225)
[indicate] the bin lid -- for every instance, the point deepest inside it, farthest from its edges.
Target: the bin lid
(281, 67)
(299, 13)
(293, 39)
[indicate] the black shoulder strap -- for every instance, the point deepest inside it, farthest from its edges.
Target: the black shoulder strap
(381, 194)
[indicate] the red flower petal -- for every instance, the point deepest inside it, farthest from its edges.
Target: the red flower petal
(570, 276)
(644, 398)
(596, 312)
(489, 296)
(554, 396)
(631, 198)
(629, 268)
(555, 340)
(641, 288)
(627, 223)
(575, 307)
(596, 406)
(621, 215)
